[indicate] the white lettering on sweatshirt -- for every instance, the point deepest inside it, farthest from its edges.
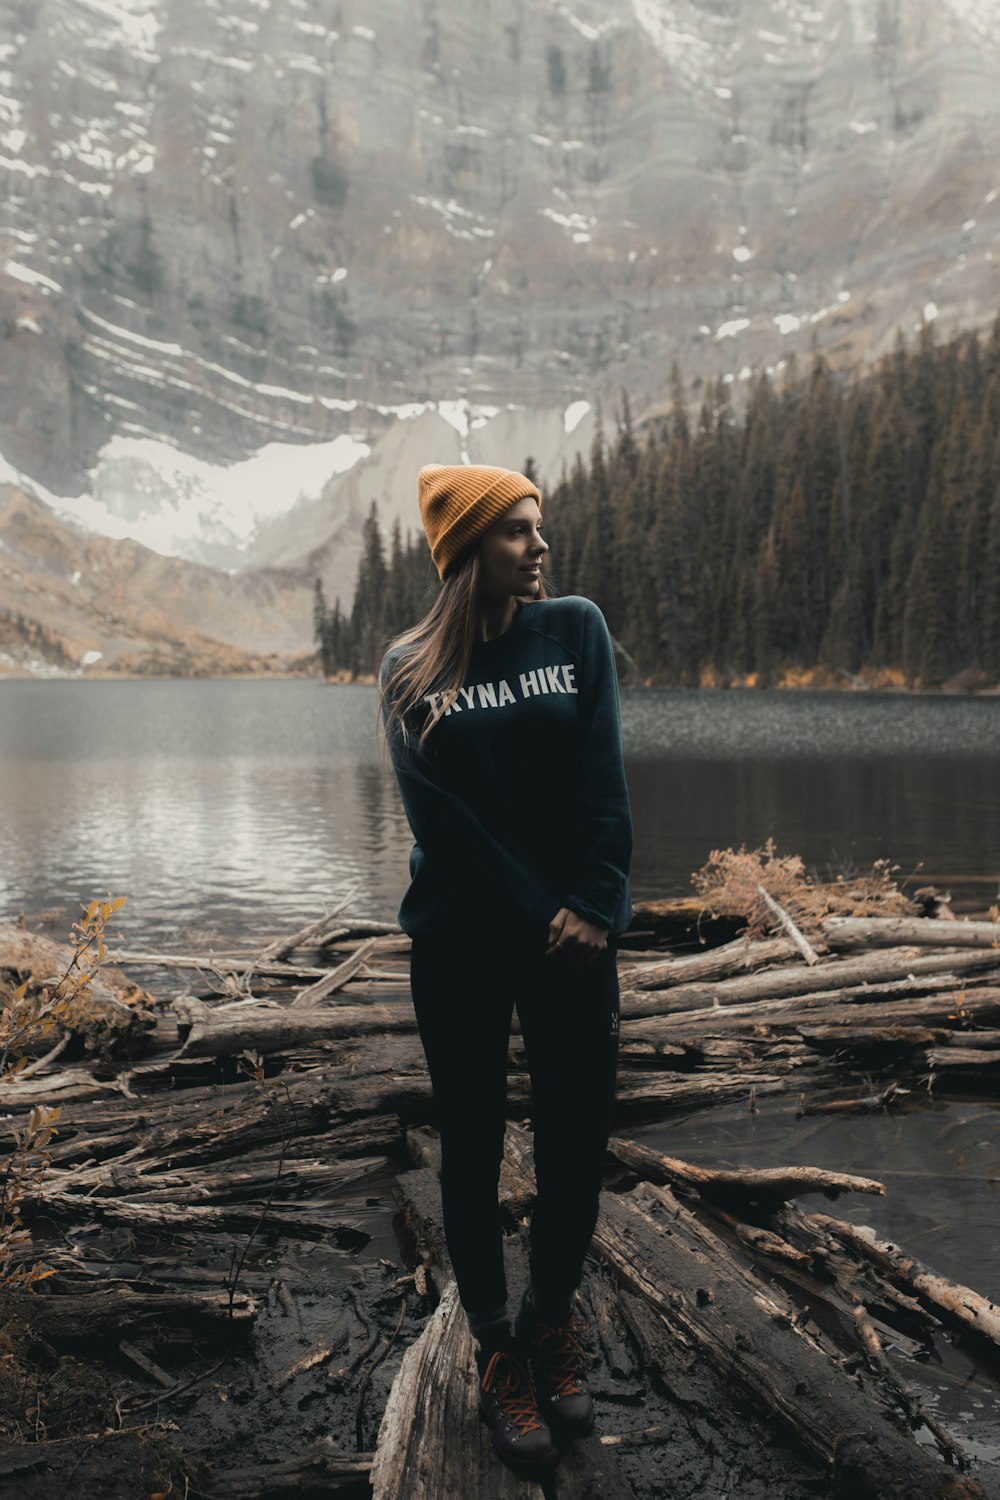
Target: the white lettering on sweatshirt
(559, 678)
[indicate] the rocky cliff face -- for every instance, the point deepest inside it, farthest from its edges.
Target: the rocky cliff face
(71, 601)
(230, 225)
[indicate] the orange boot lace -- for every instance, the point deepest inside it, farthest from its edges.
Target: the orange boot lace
(560, 1354)
(516, 1393)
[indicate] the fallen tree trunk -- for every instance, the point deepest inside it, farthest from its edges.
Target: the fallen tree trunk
(323, 1469)
(431, 1442)
(844, 1010)
(274, 1028)
(776, 1184)
(305, 1220)
(959, 1305)
(886, 932)
(749, 1334)
(795, 980)
(335, 979)
(741, 956)
(111, 1311)
(209, 963)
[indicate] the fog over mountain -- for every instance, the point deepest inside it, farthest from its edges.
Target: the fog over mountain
(260, 260)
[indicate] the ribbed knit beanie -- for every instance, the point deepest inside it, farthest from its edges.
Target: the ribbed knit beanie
(459, 501)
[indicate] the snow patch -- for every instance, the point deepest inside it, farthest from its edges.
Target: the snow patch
(134, 23)
(689, 53)
(731, 329)
(33, 278)
(862, 127)
(585, 28)
(149, 491)
(90, 657)
(787, 323)
(742, 252)
(930, 312)
(574, 415)
(456, 414)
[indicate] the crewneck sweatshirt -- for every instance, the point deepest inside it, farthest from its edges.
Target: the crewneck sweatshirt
(517, 802)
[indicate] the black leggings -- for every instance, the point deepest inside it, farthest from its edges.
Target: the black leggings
(464, 992)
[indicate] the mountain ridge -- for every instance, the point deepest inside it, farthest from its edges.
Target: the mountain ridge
(283, 236)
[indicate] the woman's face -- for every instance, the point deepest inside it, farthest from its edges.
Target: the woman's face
(511, 552)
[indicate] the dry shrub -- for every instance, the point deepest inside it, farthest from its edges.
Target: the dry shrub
(728, 885)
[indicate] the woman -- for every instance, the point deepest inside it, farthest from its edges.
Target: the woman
(502, 718)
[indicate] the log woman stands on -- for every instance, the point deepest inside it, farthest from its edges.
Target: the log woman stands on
(502, 717)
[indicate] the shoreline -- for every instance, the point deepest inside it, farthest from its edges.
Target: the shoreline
(885, 684)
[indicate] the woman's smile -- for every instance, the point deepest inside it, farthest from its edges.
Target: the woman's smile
(512, 550)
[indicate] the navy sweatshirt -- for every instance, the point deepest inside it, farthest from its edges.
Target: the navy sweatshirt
(517, 802)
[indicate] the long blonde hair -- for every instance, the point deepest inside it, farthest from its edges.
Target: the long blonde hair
(433, 656)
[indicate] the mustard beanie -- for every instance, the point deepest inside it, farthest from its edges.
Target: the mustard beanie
(459, 501)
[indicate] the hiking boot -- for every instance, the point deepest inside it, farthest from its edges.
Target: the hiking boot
(558, 1360)
(510, 1409)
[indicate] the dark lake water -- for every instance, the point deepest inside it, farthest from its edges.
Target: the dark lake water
(228, 810)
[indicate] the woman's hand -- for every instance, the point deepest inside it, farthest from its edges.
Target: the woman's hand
(574, 938)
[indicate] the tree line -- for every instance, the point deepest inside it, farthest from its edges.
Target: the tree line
(835, 526)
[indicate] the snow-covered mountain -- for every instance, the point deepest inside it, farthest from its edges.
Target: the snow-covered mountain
(258, 259)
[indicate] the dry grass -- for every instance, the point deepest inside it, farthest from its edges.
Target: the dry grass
(727, 884)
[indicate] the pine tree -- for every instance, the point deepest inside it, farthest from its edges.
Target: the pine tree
(368, 616)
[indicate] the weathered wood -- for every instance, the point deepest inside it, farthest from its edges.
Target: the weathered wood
(306, 1220)
(210, 963)
(748, 1333)
(740, 956)
(834, 977)
(270, 1029)
(864, 1038)
(981, 1060)
(879, 932)
(432, 1442)
(134, 1175)
(146, 1365)
(335, 979)
(959, 1305)
(112, 1310)
(328, 927)
(776, 1184)
(914, 1408)
(777, 910)
(323, 1469)
(852, 1009)
(44, 961)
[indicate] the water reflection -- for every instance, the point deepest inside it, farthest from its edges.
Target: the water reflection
(230, 810)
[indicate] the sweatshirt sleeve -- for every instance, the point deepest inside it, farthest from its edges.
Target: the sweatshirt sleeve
(604, 807)
(448, 831)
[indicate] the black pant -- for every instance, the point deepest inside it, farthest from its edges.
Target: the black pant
(464, 990)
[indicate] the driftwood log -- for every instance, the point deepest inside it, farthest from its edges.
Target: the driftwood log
(323, 1469)
(886, 932)
(960, 1305)
(749, 1332)
(431, 1442)
(796, 980)
(774, 1185)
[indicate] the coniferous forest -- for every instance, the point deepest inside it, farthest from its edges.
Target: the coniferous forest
(834, 528)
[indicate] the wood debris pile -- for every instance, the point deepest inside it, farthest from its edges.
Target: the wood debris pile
(253, 1108)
